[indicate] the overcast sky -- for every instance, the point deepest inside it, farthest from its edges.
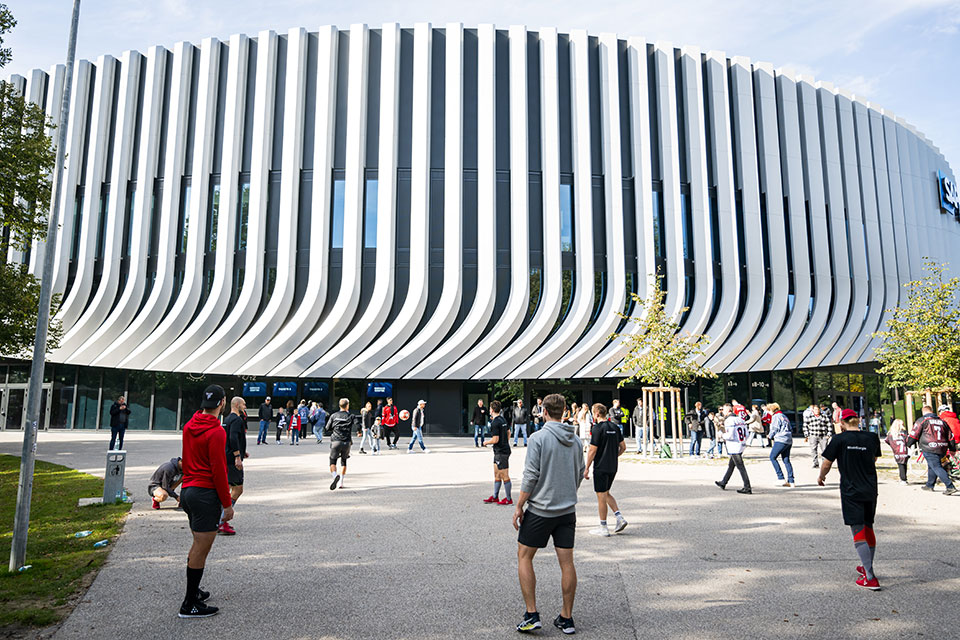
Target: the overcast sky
(903, 55)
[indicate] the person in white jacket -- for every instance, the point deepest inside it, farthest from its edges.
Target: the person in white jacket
(735, 433)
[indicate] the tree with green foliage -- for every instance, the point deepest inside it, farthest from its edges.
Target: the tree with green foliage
(657, 352)
(27, 160)
(921, 344)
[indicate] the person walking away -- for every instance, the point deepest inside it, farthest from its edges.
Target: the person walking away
(816, 431)
(417, 421)
(281, 422)
(606, 446)
(636, 421)
(897, 441)
(205, 492)
(856, 453)
(950, 417)
(320, 423)
(366, 419)
(265, 414)
(164, 482)
(520, 419)
(235, 427)
(391, 418)
(935, 439)
(479, 423)
(303, 418)
(734, 433)
(547, 508)
(340, 429)
(119, 415)
(537, 413)
(781, 434)
(500, 442)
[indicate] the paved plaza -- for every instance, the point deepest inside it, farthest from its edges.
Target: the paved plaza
(407, 550)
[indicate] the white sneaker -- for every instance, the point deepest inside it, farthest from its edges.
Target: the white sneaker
(409, 450)
(903, 482)
(600, 531)
(621, 524)
(426, 450)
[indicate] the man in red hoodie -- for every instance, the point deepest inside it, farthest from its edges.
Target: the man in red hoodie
(950, 417)
(205, 492)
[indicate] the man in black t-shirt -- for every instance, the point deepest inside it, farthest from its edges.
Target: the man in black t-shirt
(606, 445)
(856, 453)
(500, 441)
(235, 425)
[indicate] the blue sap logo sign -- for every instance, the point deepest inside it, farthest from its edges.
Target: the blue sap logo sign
(949, 196)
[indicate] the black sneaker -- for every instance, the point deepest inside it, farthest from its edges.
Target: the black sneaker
(950, 491)
(197, 610)
(333, 485)
(530, 622)
(565, 625)
(202, 595)
(720, 484)
(745, 491)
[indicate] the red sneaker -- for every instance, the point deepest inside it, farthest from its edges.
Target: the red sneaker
(861, 570)
(226, 529)
(491, 500)
(506, 501)
(873, 585)
(156, 505)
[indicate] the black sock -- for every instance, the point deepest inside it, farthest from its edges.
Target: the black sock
(193, 584)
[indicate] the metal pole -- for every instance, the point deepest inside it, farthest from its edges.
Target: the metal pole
(21, 521)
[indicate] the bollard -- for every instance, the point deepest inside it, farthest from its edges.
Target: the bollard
(113, 477)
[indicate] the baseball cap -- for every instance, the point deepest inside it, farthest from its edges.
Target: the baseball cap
(421, 402)
(846, 414)
(212, 396)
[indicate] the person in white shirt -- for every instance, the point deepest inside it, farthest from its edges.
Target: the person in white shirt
(735, 433)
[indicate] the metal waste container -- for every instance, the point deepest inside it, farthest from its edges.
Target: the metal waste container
(113, 478)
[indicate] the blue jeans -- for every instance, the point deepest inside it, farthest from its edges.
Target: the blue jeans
(416, 437)
(478, 434)
(262, 434)
(695, 438)
(782, 450)
(318, 432)
(520, 427)
(935, 470)
(294, 435)
(640, 440)
(367, 438)
(713, 447)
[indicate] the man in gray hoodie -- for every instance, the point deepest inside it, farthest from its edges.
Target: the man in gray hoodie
(551, 476)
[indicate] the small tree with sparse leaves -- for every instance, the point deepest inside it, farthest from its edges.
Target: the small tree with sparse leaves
(921, 344)
(657, 352)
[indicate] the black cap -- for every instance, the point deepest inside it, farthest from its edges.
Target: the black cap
(212, 396)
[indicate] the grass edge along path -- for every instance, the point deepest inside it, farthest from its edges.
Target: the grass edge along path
(63, 566)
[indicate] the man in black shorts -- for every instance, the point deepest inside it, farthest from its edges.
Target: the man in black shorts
(235, 427)
(205, 492)
(856, 454)
(606, 445)
(340, 427)
(552, 474)
(500, 441)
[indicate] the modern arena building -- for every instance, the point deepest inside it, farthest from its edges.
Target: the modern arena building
(438, 210)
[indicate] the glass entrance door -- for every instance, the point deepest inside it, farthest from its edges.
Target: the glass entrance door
(15, 406)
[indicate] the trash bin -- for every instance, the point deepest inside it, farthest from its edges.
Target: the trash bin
(113, 478)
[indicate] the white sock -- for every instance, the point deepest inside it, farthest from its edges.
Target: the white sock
(333, 474)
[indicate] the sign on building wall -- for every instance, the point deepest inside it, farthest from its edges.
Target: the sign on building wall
(379, 390)
(949, 196)
(285, 389)
(254, 389)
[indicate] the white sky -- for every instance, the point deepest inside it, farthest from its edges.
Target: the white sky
(900, 54)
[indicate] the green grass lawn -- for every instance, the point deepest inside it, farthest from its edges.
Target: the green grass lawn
(63, 565)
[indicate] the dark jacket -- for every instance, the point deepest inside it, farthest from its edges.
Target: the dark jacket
(616, 415)
(479, 415)
(266, 412)
(166, 477)
(340, 426)
(519, 415)
(236, 427)
(933, 434)
(118, 416)
(418, 418)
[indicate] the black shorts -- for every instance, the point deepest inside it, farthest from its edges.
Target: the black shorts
(502, 460)
(858, 511)
(536, 531)
(202, 506)
(603, 481)
(234, 475)
(340, 450)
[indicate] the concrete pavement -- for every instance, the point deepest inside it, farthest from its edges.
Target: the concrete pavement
(407, 550)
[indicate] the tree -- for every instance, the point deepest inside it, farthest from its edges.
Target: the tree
(657, 353)
(921, 344)
(26, 162)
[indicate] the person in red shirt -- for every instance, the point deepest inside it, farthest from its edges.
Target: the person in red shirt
(205, 495)
(389, 420)
(950, 417)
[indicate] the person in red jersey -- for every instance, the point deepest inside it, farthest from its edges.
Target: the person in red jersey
(389, 420)
(205, 495)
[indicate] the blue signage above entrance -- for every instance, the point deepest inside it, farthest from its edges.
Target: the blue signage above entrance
(285, 389)
(949, 196)
(379, 390)
(255, 389)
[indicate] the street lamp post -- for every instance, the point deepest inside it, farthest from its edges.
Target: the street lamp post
(21, 521)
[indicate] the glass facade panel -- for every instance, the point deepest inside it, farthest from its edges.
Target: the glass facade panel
(139, 390)
(822, 387)
(840, 382)
(370, 216)
(336, 233)
(165, 398)
(760, 388)
(184, 219)
(566, 217)
(783, 392)
(804, 387)
(856, 383)
(61, 411)
(214, 217)
(712, 389)
(19, 373)
(88, 390)
(737, 387)
(243, 213)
